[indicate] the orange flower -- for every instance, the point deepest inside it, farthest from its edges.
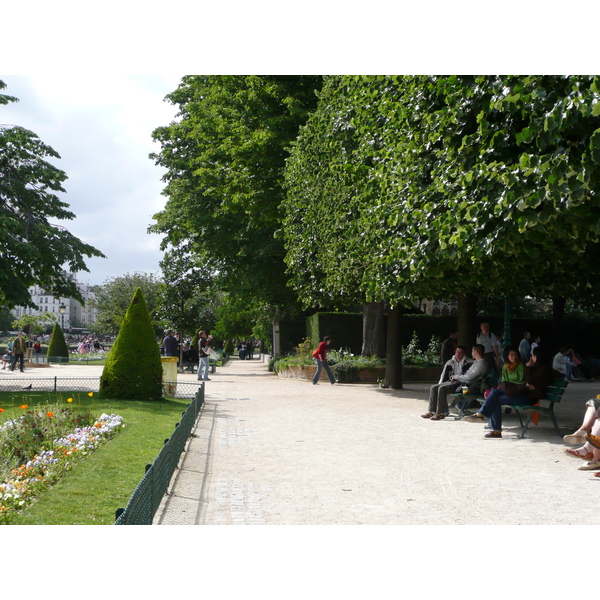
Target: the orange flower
(1, 410)
(69, 399)
(23, 406)
(50, 414)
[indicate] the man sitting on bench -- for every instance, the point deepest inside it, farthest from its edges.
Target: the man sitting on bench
(438, 405)
(476, 372)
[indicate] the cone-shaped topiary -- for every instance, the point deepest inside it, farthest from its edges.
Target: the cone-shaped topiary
(133, 369)
(58, 345)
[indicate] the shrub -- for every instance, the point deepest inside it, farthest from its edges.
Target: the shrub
(58, 345)
(133, 369)
(413, 355)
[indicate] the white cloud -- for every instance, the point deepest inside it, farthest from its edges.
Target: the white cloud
(102, 128)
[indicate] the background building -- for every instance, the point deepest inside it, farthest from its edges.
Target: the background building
(75, 314)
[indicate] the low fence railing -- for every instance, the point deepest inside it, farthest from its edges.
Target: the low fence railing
(148, 494)
(172, 389)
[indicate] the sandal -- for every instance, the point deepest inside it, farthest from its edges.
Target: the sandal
(597, 474)
(428, 415)
(570, 452)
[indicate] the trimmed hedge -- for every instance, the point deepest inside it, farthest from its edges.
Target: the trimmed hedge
(133, 369)
(58, 345)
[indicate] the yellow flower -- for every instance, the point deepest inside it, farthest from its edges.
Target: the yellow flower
(23, 406)
(91, 394)
(69, 399)
(598, 397)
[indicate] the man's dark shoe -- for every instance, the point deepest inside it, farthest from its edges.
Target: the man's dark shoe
(493, 435)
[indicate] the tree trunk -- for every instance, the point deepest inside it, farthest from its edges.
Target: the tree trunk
(393, 361)
(373, 330)
(276, 338)
(467, 321)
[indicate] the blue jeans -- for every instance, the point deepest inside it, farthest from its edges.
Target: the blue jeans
(492, 407)
(323, 365)
(203, 366)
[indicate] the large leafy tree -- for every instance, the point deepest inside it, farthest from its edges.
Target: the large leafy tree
(113, 297)
(224, 158)
(479, 185)
(188, 299)
(32, 249)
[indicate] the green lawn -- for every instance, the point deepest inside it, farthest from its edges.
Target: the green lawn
(102, 482)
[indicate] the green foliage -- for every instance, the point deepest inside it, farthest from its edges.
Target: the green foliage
(6, 319)
(58, 345)
(34, 431)
(114, 296)
(36, 322)
(305, 348)
(133, 369)
(224, 159)
(187, 296)
(33, 250)
(412, 354)
(105, 480)
(400, 187)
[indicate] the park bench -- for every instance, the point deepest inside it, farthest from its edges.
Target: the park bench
(188, 366)
(554, 395)
(546, 405)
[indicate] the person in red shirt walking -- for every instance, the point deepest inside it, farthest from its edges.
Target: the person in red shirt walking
(320, 355)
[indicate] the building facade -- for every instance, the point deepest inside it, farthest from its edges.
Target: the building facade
(73, 313)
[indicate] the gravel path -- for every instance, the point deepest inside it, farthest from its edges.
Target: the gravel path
(271, 451)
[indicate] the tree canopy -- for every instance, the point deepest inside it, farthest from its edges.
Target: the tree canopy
(225, 155)
(113, 297)
(420, 186)
(32, 249)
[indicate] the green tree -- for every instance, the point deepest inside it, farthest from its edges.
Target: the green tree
(224, 159)
(188, 300)
(427, 186)
(133, 369)
(33, 250)
(58, 345)
(36, 322)
(6, 318)
(113, 298)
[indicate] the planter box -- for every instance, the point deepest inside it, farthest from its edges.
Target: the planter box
(409, 373)
(424, 374)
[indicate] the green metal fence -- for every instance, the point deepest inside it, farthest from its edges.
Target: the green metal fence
(148, 494)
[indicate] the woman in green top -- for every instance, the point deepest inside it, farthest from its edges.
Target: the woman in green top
(514, 369)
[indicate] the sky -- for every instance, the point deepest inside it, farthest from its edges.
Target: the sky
(101, 126)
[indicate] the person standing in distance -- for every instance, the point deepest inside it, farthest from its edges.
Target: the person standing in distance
(170, 345)
(18, 352)
(203, 353)
(490, 345)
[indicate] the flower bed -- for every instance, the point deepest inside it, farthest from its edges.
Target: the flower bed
(39, 447)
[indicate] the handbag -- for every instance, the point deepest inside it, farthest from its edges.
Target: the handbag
(510, 389)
